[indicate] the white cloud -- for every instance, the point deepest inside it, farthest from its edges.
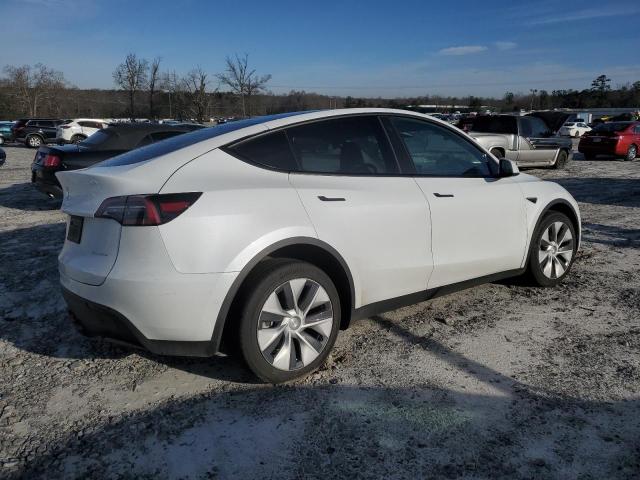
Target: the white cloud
(586, 14)
(464, 50)
(505, 45)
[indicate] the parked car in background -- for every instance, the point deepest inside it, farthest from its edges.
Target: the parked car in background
(75, 131)
(274, 233)
(36, 131)
(574, 129)
(618, 139)
(6, 134)
(106, 143)
(526, 140)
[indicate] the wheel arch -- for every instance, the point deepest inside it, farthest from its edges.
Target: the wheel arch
(562, 206)
(307, 249)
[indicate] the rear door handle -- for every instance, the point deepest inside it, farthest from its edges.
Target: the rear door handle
(443, 195)
(331, 199)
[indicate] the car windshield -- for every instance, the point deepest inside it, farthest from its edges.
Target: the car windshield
(495, 125)
(611, 127)
(181, 141)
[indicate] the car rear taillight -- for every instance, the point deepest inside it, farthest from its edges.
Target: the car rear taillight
(51, 161)
(145, 210)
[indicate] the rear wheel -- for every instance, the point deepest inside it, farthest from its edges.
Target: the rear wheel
(289, 321)
(77, 138)
(632, 152)
(34, 141)
(577, 134)
(552, 250)
(561, 160)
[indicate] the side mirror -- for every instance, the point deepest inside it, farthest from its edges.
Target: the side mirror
(3, 157)
(508, 168)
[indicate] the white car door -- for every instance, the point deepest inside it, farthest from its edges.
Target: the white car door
(478, 220)
(358, 203)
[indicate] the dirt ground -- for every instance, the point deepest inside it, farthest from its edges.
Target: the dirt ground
(501, 381)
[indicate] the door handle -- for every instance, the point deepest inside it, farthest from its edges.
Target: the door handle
(443, 195)
(331, 199)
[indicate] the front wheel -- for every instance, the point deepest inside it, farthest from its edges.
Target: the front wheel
(290, 320)
(77, 139)
(632, 152)
(552, 250)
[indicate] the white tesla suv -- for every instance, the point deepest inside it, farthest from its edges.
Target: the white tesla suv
(271, 234)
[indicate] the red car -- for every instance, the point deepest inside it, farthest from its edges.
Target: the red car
(620, 139)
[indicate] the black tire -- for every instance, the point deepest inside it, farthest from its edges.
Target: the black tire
(561, 160)
(632, 153)
(577, 135)
(496, 152)
(33, 141)
(534, 267)
(266, 279)
(77, 138)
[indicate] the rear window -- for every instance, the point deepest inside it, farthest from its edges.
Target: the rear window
(569, 124)
(170, 145)
(495, 125)
(611, 127)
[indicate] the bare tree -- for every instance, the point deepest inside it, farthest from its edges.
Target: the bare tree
(243, 81)
(32, 86)
(154, 81)
(195, 85)
(131, 76)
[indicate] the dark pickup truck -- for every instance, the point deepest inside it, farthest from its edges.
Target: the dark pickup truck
(104, 144)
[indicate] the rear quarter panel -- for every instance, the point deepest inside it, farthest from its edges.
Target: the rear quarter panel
(243, 210)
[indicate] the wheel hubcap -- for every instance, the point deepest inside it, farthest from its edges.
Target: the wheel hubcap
(295, 324)
(555, 250)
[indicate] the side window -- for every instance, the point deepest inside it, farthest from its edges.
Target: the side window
(87, 124)
(32, 123)
(637, 129)
(46, 124)
(438, 152)
(271, 150)
(526, 129)
(348, 146)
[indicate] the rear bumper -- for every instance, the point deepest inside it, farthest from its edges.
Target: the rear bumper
(602, 149)
(165, 311)
(45, 181)
(95, 320)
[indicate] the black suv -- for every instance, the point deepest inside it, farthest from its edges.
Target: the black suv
(36, 131)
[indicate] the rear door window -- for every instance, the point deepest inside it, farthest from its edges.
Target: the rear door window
(347, 146)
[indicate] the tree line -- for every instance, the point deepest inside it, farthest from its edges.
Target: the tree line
(142, 89)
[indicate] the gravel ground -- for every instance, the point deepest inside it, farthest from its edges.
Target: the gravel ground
(501, 381)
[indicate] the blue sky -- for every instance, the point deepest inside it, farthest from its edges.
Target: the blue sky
(359, 48)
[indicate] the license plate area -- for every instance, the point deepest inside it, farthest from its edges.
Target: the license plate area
(74, 233)
(597, 139)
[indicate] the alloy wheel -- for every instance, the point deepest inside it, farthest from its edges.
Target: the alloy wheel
(295, 324)
(555, 250)
(632, 152)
